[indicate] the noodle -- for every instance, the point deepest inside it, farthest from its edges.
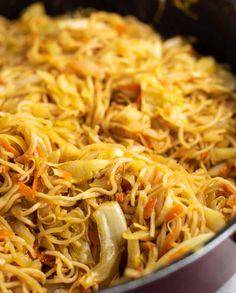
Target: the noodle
(117, 150)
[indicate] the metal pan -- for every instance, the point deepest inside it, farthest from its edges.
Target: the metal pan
(215, 30)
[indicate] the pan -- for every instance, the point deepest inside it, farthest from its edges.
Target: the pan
(213, 25)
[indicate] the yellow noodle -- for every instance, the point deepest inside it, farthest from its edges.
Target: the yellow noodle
(117, 149)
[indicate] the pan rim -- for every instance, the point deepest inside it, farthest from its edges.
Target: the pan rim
(191, 257)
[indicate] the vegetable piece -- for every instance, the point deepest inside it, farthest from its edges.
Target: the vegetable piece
(24, 232)
(68, 150)
(4, 169)
(231, 201)
(4, 143)
(227, 188)
(54, 157)
(139, 235)
(220, 154)
(169, 241)
(26, 190)
(121, 28)
(82, 170)
(35, 185)
(5, 233)
(134, 256)
(222, 169)
(40, 151)
(66, 175)
(174, 212)
(131, 87)
(120, 197)
(207, 64)
(180, 249)
(111, 225)
(149, 207)
(214, 219)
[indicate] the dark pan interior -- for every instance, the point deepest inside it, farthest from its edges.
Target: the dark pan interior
(215, 32)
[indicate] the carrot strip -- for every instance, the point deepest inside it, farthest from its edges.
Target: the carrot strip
(149, 207)
(174, 212)
(148, 141)
(23, 159)
(204, 155)
(228, 188)
(225, 170)
(4, 143)
(66, 175)
(54, 147)
(139, 268)
(178, 254)
(5, 233)
(40, 151)
(131, 87)
(164, 82)
(120, 197)
(169, 242)
(4, 169)
(121, 28)
(15, 178)
(231, 201)
(26, 190)
(149, 245)
(155, 158)
(35, 185)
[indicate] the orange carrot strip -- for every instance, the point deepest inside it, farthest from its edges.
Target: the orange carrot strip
(164, 82)
(120, 197)
(204, 155)
(8, 147)
(139, 268)
(231, 201)
(15, 178)
(148, 141)
(5, 233)
(169, 242)
(178, 254)
(149, 245)
(40, 151)
(174, 212)
(26, 190)
(23, 159)
(54, 147)
(4, 169)
(225, 170)
(121, 28)
(66, 175)
(35, 184)
(149, 207)
(131, 87)
(155, 158)
(228, 188)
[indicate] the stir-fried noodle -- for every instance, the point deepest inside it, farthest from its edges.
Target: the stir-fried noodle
(117, 150)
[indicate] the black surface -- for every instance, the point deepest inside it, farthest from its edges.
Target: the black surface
(215, 30)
